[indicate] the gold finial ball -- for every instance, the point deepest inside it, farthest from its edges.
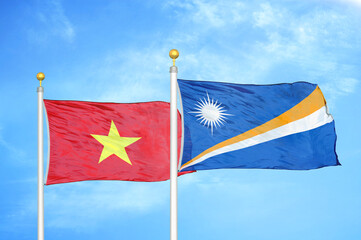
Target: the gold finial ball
(173, 53)
(40, 76)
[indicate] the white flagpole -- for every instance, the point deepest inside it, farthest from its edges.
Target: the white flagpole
(40, 76)
(173, 148)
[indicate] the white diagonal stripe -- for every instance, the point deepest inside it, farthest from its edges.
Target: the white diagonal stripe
(312, 121)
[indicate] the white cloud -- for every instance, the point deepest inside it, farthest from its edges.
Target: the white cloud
(211, 13)
(335, 88)
(82, 205)
(14, 152)
(314, 44)
(52, 22)
(134, 75)
(356, 3)
(306, 41)
(267, 16)
(348, 85)
(217, 186)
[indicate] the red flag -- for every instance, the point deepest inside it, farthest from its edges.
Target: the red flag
(108, 141)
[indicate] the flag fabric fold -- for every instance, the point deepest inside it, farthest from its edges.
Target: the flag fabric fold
(281, 126)
(108, 141)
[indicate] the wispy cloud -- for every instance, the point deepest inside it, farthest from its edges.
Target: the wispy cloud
(214, 187)
(313, 44)
(14, 152)
(250, 43)
(96, 201)
(308, 41)
(336, 88)
(348, 85)
(267, 16)
(356, 3)
(52, 21)
(135, 75)
(210, 13)
(83, 205)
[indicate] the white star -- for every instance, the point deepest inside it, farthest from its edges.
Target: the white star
(210, 113)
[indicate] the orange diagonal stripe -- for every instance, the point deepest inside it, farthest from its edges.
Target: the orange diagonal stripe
(307, 106)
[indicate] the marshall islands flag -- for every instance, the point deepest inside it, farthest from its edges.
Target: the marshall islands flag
(281, 126)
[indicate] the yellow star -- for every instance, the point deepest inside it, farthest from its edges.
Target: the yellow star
(114, 144)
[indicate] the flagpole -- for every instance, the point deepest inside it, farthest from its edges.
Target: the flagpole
(40, 76)
(173, 148)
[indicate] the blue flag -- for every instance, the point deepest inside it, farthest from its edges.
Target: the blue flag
(280, 126)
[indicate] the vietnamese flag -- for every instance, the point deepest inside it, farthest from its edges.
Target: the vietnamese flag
(108, 141)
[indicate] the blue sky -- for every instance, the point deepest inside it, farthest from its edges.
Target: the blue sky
(118, 51)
